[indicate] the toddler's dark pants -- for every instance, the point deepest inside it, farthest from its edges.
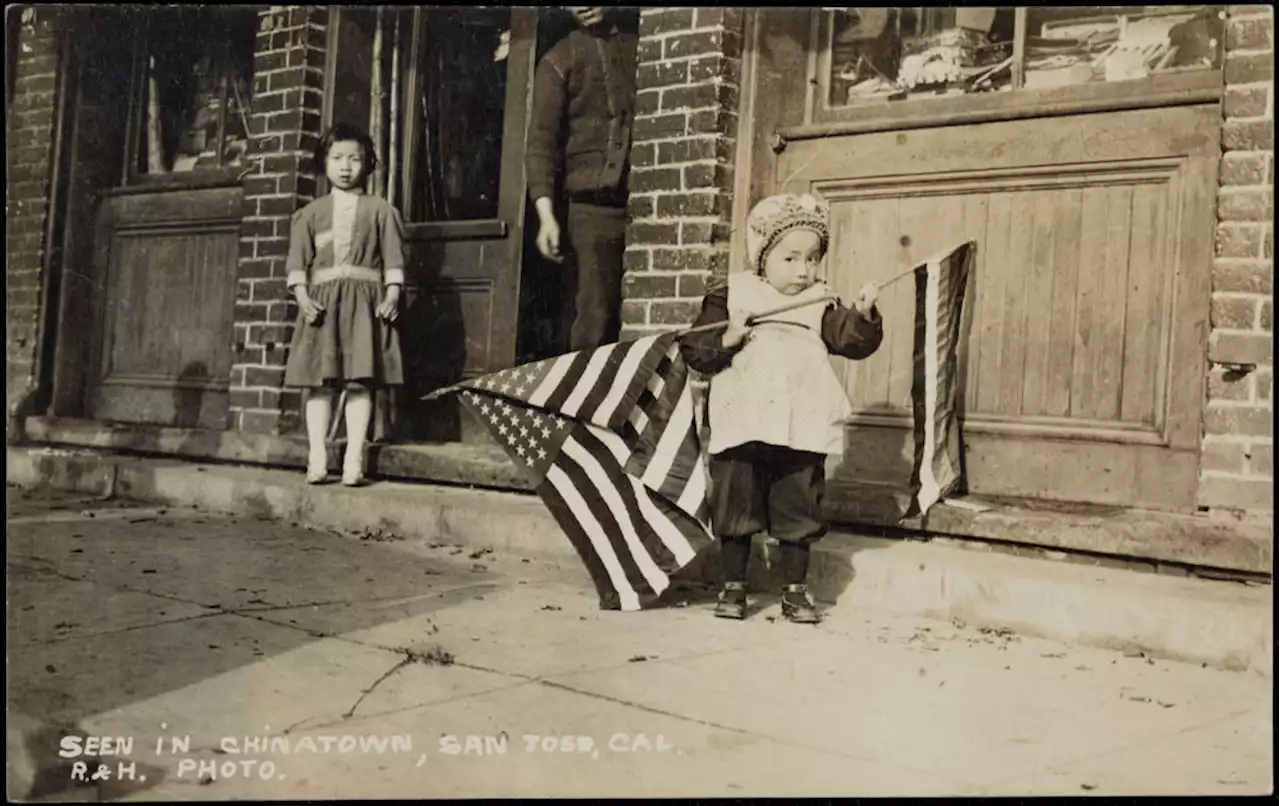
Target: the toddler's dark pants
(767, 488)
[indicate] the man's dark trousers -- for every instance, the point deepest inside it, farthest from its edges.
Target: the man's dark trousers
(597, 240)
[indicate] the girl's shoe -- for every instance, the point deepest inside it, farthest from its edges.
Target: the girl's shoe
(733, 601)
(798, 606)
(352, 474)
(317, 472)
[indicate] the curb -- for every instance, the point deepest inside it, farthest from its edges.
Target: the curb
(1226, 625)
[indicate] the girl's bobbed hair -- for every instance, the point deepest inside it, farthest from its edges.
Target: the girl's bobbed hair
(345, 132)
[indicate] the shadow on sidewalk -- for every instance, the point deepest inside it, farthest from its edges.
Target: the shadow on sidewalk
(107, 612)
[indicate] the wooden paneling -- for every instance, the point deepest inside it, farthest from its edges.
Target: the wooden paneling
(1058, 269)
(171, 308)
(774, 55)
(1082, 350)
(167, 263)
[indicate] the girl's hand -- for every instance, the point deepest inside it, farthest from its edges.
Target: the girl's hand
(311, 309)
(738, 330)
(390, 307)
(867, 299)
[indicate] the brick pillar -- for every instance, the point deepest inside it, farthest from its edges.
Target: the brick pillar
(1237, 450)
(30, 147)
(287, 100)
(681, 157)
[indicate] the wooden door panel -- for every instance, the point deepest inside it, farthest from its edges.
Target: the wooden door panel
(1083, 340)
(162, 316)
(462, 283)
(1060, 271)
(1145, 296)
(168, 263)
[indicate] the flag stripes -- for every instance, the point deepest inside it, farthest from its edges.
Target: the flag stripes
(940, 290)
(629, 540)
(611, 438)
(573, 372)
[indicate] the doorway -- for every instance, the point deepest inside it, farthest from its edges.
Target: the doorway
(445, 94)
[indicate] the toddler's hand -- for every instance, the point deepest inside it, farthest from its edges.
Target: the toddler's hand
(390, 307)
(867, 299)
(311, 310)
(737, 331)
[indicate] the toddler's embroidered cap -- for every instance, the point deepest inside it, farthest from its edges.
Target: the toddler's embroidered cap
(775, 216)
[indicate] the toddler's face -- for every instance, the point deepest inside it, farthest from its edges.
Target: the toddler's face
(792, 264)
(344, 166)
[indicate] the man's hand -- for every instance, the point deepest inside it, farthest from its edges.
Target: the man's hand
(867, 299)
(390, 307)
(737, 331)
(548, 240)
(311, 309)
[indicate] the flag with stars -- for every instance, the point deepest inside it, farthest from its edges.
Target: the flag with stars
(610, 439)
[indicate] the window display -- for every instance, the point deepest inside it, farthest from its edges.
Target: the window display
(887, 54)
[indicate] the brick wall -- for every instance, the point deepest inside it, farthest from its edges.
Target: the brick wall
(30, 149)
(1236, 470)
(681, 156)
(287, 102)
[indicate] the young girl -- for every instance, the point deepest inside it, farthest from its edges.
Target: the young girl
(776, 406)
(346, 268)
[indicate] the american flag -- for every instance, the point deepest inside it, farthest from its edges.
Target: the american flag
(940, 289)
(610, 438)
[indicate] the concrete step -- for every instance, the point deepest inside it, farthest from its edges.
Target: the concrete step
(1209, 540)
(1222, 624)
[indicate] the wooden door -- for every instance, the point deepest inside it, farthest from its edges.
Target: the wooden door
(455, 85)
(166, 267)
(1083, 349)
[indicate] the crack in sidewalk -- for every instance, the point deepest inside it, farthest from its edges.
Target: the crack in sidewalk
(403, 662)
(118, 630)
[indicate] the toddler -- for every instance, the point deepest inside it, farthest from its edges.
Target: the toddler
(776, 407)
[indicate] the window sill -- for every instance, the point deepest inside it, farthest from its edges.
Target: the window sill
(204, 180)
(456, 230)
(1201, 86)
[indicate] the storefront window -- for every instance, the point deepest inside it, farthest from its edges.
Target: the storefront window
(880, 54)
(441, 82)
(195, 78)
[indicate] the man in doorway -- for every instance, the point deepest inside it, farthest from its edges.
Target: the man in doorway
(583, 105)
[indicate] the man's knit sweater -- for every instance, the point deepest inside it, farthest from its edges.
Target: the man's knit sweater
(583, 105)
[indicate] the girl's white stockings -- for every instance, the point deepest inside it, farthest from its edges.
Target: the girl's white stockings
(359, 410)
(319, 409)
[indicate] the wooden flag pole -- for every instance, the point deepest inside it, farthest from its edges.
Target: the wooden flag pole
(895, 278)
(794, 305)
(753, 319)
(457, 387)
(447, 390)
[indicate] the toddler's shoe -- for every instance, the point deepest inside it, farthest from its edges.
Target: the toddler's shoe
(798, 606)
(733, 601)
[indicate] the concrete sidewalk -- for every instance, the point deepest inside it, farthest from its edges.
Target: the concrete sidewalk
(500, 677)
(1224, 624)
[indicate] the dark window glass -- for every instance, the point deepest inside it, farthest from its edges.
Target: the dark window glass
(197, 79)
(457, 153)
